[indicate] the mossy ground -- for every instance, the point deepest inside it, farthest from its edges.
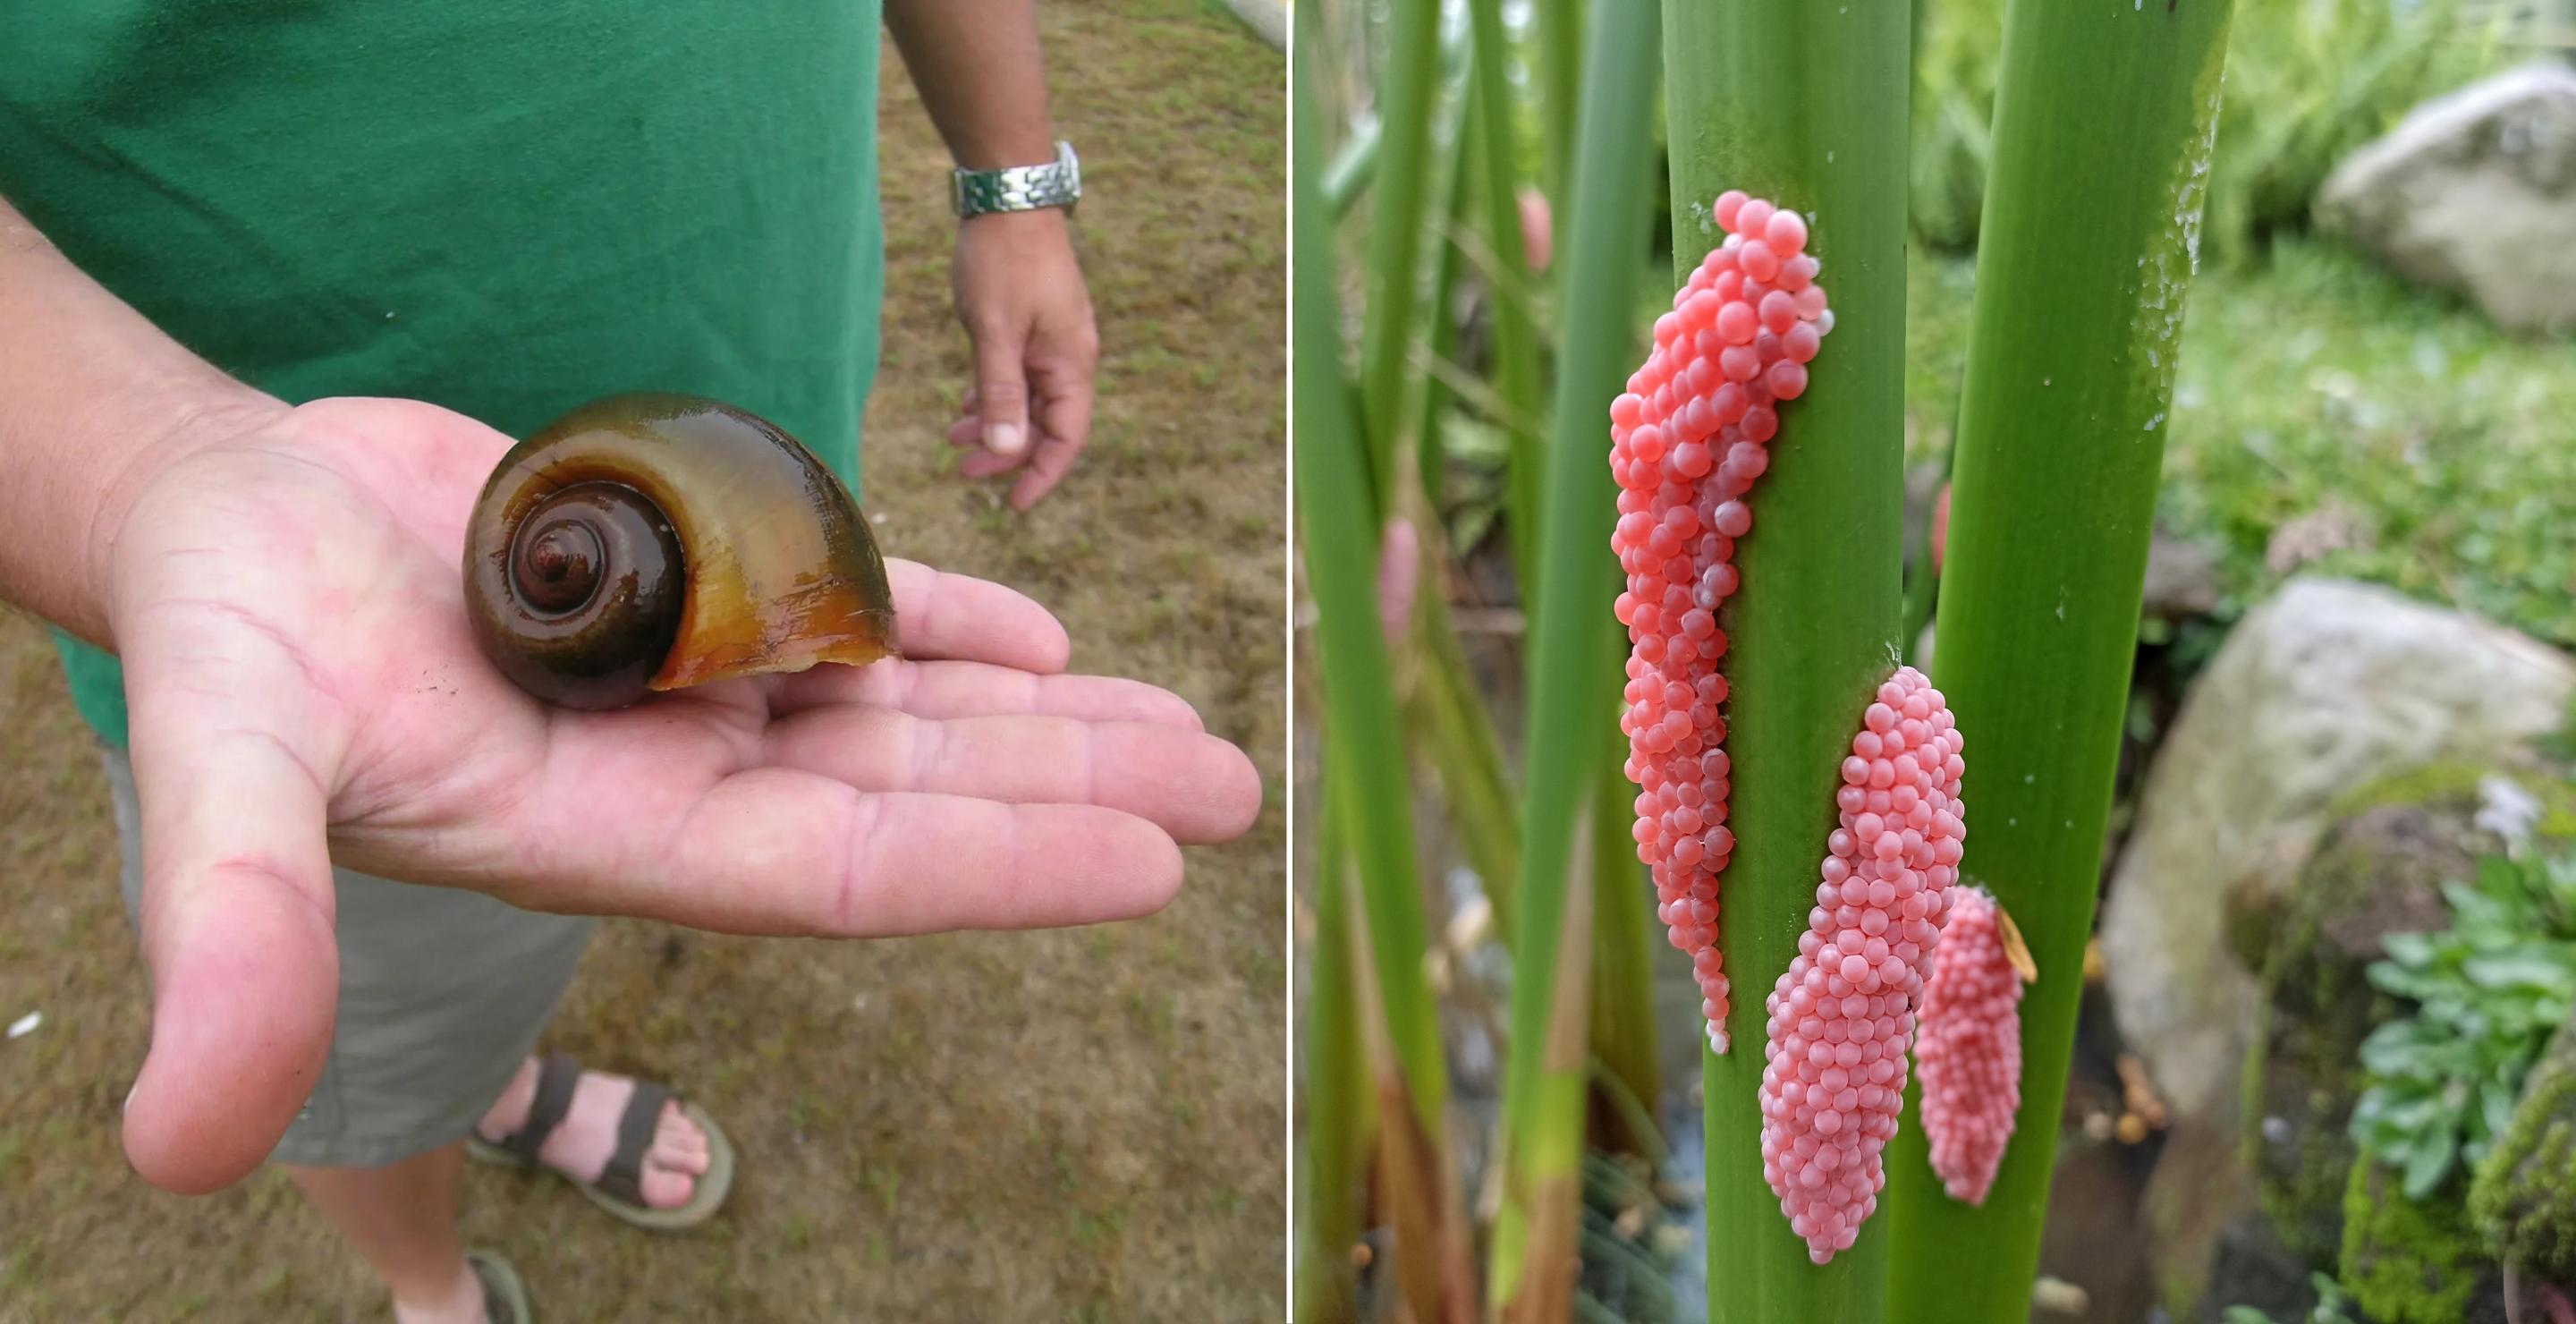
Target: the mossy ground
(1077, 1126)
(2411, 442)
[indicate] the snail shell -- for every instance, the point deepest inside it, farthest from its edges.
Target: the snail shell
(652, 542)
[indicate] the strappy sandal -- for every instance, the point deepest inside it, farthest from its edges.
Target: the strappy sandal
(619, 1188)
(505, 1297)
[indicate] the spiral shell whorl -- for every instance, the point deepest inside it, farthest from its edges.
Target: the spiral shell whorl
(653, 542)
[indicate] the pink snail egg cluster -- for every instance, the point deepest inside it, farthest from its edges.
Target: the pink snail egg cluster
(1970, 1049)
(1687, 441)
(1834, 1074)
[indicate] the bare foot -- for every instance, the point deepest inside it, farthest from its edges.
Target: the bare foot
(583, 1142)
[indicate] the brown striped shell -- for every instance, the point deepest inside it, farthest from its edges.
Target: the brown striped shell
(651, 542)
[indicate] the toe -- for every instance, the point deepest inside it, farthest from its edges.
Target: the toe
(678, 1144)
(665, 1189)
(676, 1131)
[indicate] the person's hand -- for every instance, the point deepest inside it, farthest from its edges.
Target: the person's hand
(305, 687)
(1020, 294)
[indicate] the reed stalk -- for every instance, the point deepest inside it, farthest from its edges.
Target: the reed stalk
(1574, 673)
(1507, 283)
(1405, 96)
(2103, 124)
(1334, 1099)
(1370, 777)
(1802, 102)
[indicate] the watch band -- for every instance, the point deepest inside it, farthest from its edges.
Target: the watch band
(1020, 188)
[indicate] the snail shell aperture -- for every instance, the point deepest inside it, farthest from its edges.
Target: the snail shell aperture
(652, 542)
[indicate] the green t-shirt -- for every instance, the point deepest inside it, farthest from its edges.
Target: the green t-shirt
(505, 209)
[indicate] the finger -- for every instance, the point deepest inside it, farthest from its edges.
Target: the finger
(237, 900)
(966, 431)
(1190, 784)
(1047, 467)
(1063, 378)
(1065, 396)
(940, 615)
(784, 851)
(943, 690)
(1001, 391)
(986, 464)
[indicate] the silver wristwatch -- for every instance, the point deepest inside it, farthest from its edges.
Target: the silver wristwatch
(1020, 188)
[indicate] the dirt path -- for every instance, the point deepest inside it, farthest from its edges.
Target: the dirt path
(1078, 1127)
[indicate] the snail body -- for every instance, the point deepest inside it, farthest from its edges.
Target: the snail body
(651, 542)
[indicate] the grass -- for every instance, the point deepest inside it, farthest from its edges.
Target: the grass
(2394, 432)
(2306, 84)
(989, 1136)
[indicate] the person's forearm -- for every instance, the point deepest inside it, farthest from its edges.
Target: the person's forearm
(91, 396)
(977, 65)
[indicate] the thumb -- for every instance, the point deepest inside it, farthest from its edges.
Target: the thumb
(236, 915)
(1002, 393)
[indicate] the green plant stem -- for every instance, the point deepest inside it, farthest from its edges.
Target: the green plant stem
(1405, 95)
(1516, 358)
(1451, 725)
(1556, 63)
(1803, 103)
(2101, 148)
(1347, 176)
(1440, 328)
(1574, 670)
(1456, 734)
(1370, 776)
(1623, 936)
(1922, 581)
(1333, 1098)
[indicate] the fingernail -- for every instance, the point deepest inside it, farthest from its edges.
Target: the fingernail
(1003, 438)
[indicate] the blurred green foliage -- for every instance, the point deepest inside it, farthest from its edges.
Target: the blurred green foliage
(2331, 1307)
(2331, 419)
(2307, 82)
(2488, 993)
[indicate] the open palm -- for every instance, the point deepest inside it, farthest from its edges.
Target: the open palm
(305, 687)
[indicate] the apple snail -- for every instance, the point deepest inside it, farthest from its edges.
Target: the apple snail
(651, 542)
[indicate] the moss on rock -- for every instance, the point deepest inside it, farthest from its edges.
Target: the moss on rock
(2377, 869)
(2523, 1199)
(2411, 1263)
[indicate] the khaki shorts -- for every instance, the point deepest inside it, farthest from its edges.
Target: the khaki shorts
(442, 994)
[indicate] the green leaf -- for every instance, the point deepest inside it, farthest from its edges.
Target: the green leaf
(2500, 880)
(2473, 910)
(2429, 1164)
(2533, 967)
(2406, 949)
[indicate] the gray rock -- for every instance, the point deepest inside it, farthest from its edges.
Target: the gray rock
(2475, 191)
(2329, 686)
(2182, 578)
